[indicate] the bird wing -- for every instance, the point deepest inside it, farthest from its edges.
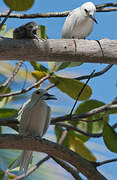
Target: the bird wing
(70, 23)
(47, 122)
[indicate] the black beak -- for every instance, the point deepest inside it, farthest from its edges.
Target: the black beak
(93, 19)
(50, 96)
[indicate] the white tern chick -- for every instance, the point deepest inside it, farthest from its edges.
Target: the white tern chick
(79, 23)
(34, 121)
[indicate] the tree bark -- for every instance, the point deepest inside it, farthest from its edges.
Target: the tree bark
(10, 141)
(59, 50)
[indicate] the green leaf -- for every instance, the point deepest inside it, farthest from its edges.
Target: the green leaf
(9, 34)
(41, 32)
(78, 135)
(110, 137)
(71, 87)
(2, 174)
(92, 127)
(7, 113)
(39, 67)
(19, 5)
(57, 66)
(76, 145)
(3, 29)
(59, 131)
(5, 100)
(38, 75)
(74, 64)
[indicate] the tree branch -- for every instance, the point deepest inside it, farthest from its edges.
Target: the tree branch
(69, 126)
(31, 170)
(68, 168)
(99, 8)
(63, 49)
(77, 117)
(8, 141)
(95, 74)
(11, 77)
(105, 162)
(6, 17)
(28, 88)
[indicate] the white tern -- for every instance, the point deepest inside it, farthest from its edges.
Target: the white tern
(34, 119)
(79, 23)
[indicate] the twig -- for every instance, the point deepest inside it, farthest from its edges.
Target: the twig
(96, 164)
(95, 74)
(31, 170)
(27, 89)
(69, 126)
(72, 171)
(106, 5)
(50, 86)
(79, 94)
(6, 17)
(15, 71)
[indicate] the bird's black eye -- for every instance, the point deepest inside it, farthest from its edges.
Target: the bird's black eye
(86, 10)
(37, 92)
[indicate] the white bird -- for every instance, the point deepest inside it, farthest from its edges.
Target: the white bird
(34, 119)
(80, 22)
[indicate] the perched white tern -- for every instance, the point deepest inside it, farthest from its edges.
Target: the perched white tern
(79, 23)
(34, 119)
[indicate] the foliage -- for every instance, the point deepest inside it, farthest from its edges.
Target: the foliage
(110, 137)
(19, 5)
(74, 140)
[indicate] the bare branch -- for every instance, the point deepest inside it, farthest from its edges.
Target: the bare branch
(8, 141)
(11, 77)
(81, 91)
(72, 171)
(69, 126)
(95, 74)
(99, 8)
(62, 49)
(6, 17)
(27, 89)
(31, 170)
(105, 162)
(77, 117)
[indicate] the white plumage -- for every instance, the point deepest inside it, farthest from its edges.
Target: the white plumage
(34, 121)
(79, 23)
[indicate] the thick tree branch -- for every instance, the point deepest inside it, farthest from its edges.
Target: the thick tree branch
(59, 50)
(8, 141)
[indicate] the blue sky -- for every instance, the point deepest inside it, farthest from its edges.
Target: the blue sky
(104, 87)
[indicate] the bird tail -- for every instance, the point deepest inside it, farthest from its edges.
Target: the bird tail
(23, 161)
